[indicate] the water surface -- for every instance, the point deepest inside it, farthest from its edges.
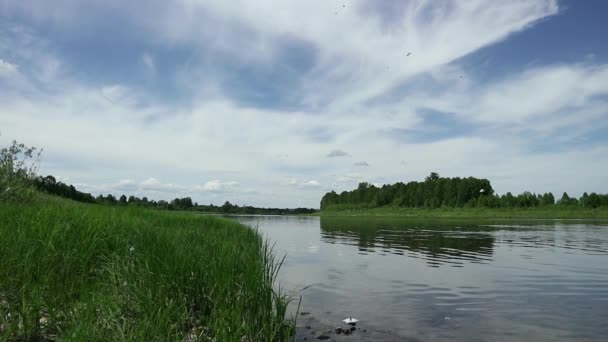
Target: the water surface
(445, 280)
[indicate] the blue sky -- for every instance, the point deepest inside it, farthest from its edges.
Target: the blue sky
(273, 103)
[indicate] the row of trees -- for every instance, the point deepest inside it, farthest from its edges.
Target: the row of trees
(436, 192)
(530, 200)
(230, 208)
(50, 185)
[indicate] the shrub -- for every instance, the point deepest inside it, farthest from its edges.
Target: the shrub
(18, 168)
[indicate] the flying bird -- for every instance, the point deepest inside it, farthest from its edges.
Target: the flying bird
(408, 54)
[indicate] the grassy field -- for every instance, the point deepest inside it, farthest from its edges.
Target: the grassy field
(554, 212)
(78, 272)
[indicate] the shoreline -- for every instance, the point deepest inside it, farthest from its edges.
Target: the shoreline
(475, 213)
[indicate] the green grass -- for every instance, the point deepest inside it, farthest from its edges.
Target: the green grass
(78, 272)
(553, 212)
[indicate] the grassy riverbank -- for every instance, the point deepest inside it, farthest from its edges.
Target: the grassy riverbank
(81, 272)
(553, 212)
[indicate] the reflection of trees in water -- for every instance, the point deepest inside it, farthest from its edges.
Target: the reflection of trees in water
(589, 237)
(437, 242)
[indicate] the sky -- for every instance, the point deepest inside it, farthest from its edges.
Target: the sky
(274, 103)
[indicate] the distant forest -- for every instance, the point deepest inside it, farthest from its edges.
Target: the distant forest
(51, 186)
(438, 192)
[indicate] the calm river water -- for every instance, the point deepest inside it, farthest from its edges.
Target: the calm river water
(445, 280)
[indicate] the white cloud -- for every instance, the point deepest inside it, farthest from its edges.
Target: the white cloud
(541, 99)
(7, 69)
(125, 184)
(148, 62)
(115, 93)
(356, 58)
(304, 184)
(311, 183)
(359, 39)
(541, 91)
(153, 184)
(218, 186)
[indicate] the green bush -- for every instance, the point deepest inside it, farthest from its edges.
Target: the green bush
(18, 168)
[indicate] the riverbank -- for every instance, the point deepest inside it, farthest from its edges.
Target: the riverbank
(554, 212)
(91, 272)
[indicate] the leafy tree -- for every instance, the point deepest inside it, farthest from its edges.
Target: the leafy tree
(548, 199)
(111, 199)
(18, 168)
(432, 177)
(594, 200)
(567, 200)
(227, 207)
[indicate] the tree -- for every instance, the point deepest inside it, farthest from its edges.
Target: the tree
(432, 177)
(227, 207)
(123, 199)
(565, 200)
(548, 199)
(594, 200)
(111, 199)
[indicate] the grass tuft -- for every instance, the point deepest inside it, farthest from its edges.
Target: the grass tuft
(76, 272)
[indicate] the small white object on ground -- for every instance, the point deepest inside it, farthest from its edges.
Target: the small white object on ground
(350, 320)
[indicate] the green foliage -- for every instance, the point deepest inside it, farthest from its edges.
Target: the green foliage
(18, 167)
(81, 272)
(434, 192)
(50, 185)
(437, 192)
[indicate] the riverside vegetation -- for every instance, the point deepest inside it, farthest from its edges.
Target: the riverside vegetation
(458, 198)
(50, 185)
(74, 271)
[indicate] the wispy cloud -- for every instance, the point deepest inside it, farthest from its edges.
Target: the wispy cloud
(337, 153)
(153, 184)
(8, 70)
(148, 61)
(323, 75)
(312, 183)
(218, 186)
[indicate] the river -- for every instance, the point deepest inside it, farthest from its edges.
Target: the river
(440, 280)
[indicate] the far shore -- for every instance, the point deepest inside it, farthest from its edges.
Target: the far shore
(475, 213)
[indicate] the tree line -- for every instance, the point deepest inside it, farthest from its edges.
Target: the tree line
(51, 186)
(437, 192)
